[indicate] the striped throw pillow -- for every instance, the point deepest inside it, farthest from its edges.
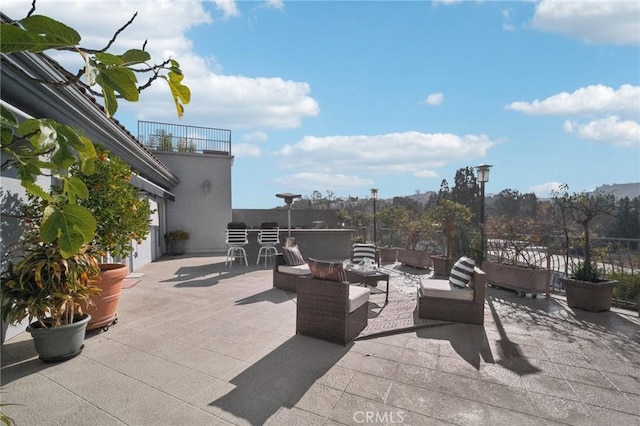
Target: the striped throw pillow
(362, 251)
(331, 271)
(292, 256)
(461, 273)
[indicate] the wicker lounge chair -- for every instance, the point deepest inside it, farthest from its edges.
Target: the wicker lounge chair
(287, 280)
(436, 300)
(331, 310)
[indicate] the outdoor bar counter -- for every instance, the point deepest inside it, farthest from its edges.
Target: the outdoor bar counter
(324, 244)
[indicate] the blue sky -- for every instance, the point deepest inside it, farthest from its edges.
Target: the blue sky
(346, 96)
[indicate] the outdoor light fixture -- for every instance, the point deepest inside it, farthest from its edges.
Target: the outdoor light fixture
(483, 177)
(206, 185)
(483, 172)
(374, 197)
(288, 198)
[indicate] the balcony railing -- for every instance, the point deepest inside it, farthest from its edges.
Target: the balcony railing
(186, 139)
(619, 258)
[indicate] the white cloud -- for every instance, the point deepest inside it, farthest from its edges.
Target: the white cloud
(619, 128)
(544, 190)
(434, 99)
(254, 137)
(228, 7)
(426, 174)
(217, 100)
(246, 150)
(274, 4)
(394, 153)
(609, 130)
(308, 181)
(586, 100)
(593, 21)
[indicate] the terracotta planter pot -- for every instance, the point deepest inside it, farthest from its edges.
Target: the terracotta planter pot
(105, 311)
(589, 296)
(519, 278)
(59, 343)
(415, 258)
(442, 265)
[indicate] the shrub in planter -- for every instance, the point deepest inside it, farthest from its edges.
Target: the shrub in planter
(585, 285)
(51, 291)
(122, 219)
(175, 240)
(452, 219)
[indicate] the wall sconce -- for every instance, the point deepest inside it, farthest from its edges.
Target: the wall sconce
(206, 186)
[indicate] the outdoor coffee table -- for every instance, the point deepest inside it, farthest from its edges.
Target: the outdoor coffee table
(369, 278)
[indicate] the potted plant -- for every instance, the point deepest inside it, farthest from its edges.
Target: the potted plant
(53, 277)
(51, 290)
(515, 256)
(451, 219)
(394, 217)
(176, 240)
(586, 285)
(122, 220)
(53, 274)
(416, 251)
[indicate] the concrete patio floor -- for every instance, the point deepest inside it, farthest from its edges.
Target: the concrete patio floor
(200, 343)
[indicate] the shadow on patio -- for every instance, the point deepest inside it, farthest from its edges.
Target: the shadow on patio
(280, 379)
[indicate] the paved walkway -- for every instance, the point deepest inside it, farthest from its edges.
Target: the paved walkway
(198, 343)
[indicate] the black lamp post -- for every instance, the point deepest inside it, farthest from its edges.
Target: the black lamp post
(483, 177)
(288, 198)
(374, 197)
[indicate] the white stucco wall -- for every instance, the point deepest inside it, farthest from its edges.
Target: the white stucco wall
(200, 209)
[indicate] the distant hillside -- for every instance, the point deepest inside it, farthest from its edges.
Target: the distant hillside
(621, 190)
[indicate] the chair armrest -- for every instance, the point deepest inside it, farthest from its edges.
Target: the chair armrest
(479, 285)
(279, 260)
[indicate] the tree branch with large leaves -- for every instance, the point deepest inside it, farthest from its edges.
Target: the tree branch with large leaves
(44, 147)
(114, 74)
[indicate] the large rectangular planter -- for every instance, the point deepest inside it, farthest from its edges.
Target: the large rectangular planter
(442, 266)
(388, 254)
(589, 296)
(519, 278)
(415, 258)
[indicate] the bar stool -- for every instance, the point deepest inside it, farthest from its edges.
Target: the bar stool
(268, 238)
(236, 239)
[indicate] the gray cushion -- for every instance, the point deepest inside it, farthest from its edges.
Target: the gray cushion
(440, 288)
(358, 296)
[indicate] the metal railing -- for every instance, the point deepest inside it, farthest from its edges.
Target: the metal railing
(618, 258)
(186, 139)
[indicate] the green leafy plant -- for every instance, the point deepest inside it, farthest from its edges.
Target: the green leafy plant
(451, 219)
(114, 74)
(579, 271)
(47, 286)
(176, 235)
(581, 209)
(121, 215)
(37, 147)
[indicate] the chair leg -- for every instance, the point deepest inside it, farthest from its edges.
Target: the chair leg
(266, 252)
(260, 254)
(229, 256)
(234, 252)
(271, 253)
(244, 256)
